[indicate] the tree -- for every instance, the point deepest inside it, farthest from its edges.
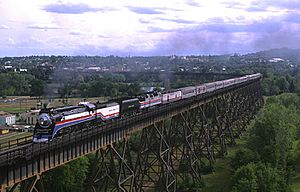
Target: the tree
(67, 178)
(288, 100)
(243, 157)
(258, 177)
(269, 178)
(273, 133)
(37, 87)
(244, 179)
(282, 84)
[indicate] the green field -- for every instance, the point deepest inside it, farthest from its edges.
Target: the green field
(14, 109)
(219, 180)
(25, 103)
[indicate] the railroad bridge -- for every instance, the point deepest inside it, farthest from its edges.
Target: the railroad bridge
(173, 143)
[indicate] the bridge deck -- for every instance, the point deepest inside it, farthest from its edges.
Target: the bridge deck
(25, 160)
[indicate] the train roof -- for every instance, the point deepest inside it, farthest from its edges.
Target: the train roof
(106, 104)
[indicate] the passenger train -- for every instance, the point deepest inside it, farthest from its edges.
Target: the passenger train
(51, 122)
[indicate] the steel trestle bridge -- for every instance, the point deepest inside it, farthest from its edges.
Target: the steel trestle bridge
(175, 142)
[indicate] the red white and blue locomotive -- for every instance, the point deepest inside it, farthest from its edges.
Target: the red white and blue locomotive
(51, 122)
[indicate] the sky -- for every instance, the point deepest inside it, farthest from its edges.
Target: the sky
(147, 27)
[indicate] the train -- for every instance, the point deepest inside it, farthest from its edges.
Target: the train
(52, 122)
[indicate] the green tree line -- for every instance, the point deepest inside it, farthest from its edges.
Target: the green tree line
(271, 157)
(20, 84)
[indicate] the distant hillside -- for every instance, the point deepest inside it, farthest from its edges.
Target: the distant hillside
(287, 54)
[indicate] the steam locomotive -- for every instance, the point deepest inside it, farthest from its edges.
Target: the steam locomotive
(53, 121)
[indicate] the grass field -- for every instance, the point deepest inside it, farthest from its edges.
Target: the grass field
(25, 103)
(219, 180)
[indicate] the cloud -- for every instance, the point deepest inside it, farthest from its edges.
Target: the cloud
(4, 27)
(43, 26)
(257, 6)
(218, 25)
(144, 21)
(103, 36)
(144, 10)
(287, 4)
(181, 21)
(292, 18)
(193, 3)
(256, 9)
(255, 27)
(233, 4)
(158, 30)
(75, 33)
(29, 42)
(91, 50)
(186, 43)
(279, 39)
(222, 37)
(74, 8)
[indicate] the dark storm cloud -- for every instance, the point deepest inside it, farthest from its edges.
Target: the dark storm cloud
(74, 8)
(220, 38)
(278, 40)
(187, 43)
(145, 10)
(198, 43)
(264, 26)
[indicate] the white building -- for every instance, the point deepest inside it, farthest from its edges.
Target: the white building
(7, 119)
(8, 67)
(23, 70)
(276, 59)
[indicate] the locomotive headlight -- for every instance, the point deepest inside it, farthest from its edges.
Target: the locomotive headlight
(44, 120)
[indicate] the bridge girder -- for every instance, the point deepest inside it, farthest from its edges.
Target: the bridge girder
(177, 148)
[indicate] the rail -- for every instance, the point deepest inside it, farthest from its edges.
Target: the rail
(12, 143)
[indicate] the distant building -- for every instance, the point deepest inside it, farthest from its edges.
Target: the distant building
(94, 68)
(276, 59)
(7, 119)
(30, 117)
(23, 70)
(8, 67)
(4, 130)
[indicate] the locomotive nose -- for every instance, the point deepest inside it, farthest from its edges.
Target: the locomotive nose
(44, 120)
